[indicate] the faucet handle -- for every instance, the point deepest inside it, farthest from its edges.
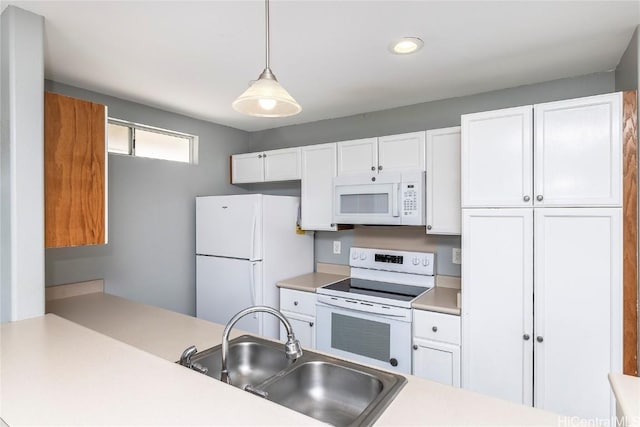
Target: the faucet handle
(185, 358)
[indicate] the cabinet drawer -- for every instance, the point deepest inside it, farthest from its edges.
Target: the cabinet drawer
(298, 302)
(436, 326)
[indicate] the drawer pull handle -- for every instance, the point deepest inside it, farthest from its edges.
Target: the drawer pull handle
(434, 329)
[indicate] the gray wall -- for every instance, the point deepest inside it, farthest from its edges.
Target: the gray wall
(21, 165)
(150, 254)
(628, 68)
(430, 115)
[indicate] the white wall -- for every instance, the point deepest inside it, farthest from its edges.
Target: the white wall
(21, 165)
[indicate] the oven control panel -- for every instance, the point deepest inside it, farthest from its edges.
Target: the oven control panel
(388, 260)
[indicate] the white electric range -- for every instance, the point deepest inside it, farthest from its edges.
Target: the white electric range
(367, 317)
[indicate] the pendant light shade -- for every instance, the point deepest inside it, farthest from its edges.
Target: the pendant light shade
(266, 97)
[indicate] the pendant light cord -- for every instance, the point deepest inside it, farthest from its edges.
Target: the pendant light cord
(266, 14)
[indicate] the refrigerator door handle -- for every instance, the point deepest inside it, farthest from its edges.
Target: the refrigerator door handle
(253, 286)
(252, 249)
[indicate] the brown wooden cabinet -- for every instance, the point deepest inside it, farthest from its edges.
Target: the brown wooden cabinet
(75, 165)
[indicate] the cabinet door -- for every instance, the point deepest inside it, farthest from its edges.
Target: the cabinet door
(397, 153)
(443, 181)
(497, 158)
(75, 169)
(578, 309)
(437, 361)
(358, 156)
(304, 328)
(246, 168)
(578, 152)
(316, 188)
(282, 165)
(497, 303)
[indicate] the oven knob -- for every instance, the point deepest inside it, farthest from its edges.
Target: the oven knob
(425, 262)
(354, 255)
(363, 256)
(393, 361)
(416, 261)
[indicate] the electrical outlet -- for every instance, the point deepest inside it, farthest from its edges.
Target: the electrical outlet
(337, 247)
(456, 256)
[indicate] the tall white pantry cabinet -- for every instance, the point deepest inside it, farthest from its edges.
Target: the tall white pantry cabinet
(542, 254)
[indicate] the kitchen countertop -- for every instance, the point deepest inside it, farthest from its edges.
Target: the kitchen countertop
(310, 282)
(440, 299)
(115, 383)
(627, 391)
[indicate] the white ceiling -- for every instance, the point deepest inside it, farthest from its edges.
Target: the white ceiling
(196, 57)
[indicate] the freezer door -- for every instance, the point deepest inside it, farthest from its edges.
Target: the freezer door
(229, 226)
(226, 286)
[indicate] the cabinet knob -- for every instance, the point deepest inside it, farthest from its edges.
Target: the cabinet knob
(526, 337)
(434, 328)
(393, 361)
(539, 197)
(539, 339)
(259, 156)
(295, 303)
(380, 167)
(429, 227)
(415, 347)
(333, 224)
(264, 155)
(373, 178)
(526, 198)
(311, 324)
(373, 168)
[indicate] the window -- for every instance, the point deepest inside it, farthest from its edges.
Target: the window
(146, 141)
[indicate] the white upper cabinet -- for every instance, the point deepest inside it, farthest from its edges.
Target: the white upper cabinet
(401, 152)
(392, 153)
(247, 168)
(574, 159)
(316, 189)
(578, 151)
(265, 166)
(357, 156)
(443, 181)
(497, 158)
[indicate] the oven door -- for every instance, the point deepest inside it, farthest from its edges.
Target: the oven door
(376, 339)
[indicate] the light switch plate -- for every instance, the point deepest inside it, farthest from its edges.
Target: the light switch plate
(337, 247)
(456, 256)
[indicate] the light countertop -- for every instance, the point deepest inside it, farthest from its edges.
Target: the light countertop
(310, 282)
(440, 299)
(98, 379)
(627, 391)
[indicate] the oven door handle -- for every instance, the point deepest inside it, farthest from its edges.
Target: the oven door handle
(358, 306)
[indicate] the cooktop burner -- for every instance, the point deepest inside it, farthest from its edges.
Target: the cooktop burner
(361, 287)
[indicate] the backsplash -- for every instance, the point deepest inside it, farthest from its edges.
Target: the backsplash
(388, 237)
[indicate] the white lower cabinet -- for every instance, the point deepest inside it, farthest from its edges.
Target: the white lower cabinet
(541, 307)
(299, 307)
(436, 347)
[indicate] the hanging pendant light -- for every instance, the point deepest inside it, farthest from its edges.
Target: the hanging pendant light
(266, 97)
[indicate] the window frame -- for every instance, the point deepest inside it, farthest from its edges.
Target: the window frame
(132, 127)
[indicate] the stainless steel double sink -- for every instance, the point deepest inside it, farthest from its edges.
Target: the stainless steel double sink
(331, 390)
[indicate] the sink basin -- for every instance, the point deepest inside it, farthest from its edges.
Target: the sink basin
(331, 390)
(250, 362)
(325, 391)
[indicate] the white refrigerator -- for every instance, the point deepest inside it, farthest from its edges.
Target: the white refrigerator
(245, 244)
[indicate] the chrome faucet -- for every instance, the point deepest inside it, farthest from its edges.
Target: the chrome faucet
(292, 347)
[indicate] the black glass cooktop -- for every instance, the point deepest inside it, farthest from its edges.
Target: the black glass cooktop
(373, 288)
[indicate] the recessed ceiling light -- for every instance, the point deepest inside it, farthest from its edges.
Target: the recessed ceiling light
(405, 45)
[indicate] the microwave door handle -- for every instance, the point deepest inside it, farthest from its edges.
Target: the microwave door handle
(394, 200)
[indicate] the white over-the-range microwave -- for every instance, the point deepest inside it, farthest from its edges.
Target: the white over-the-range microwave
(390, 198)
